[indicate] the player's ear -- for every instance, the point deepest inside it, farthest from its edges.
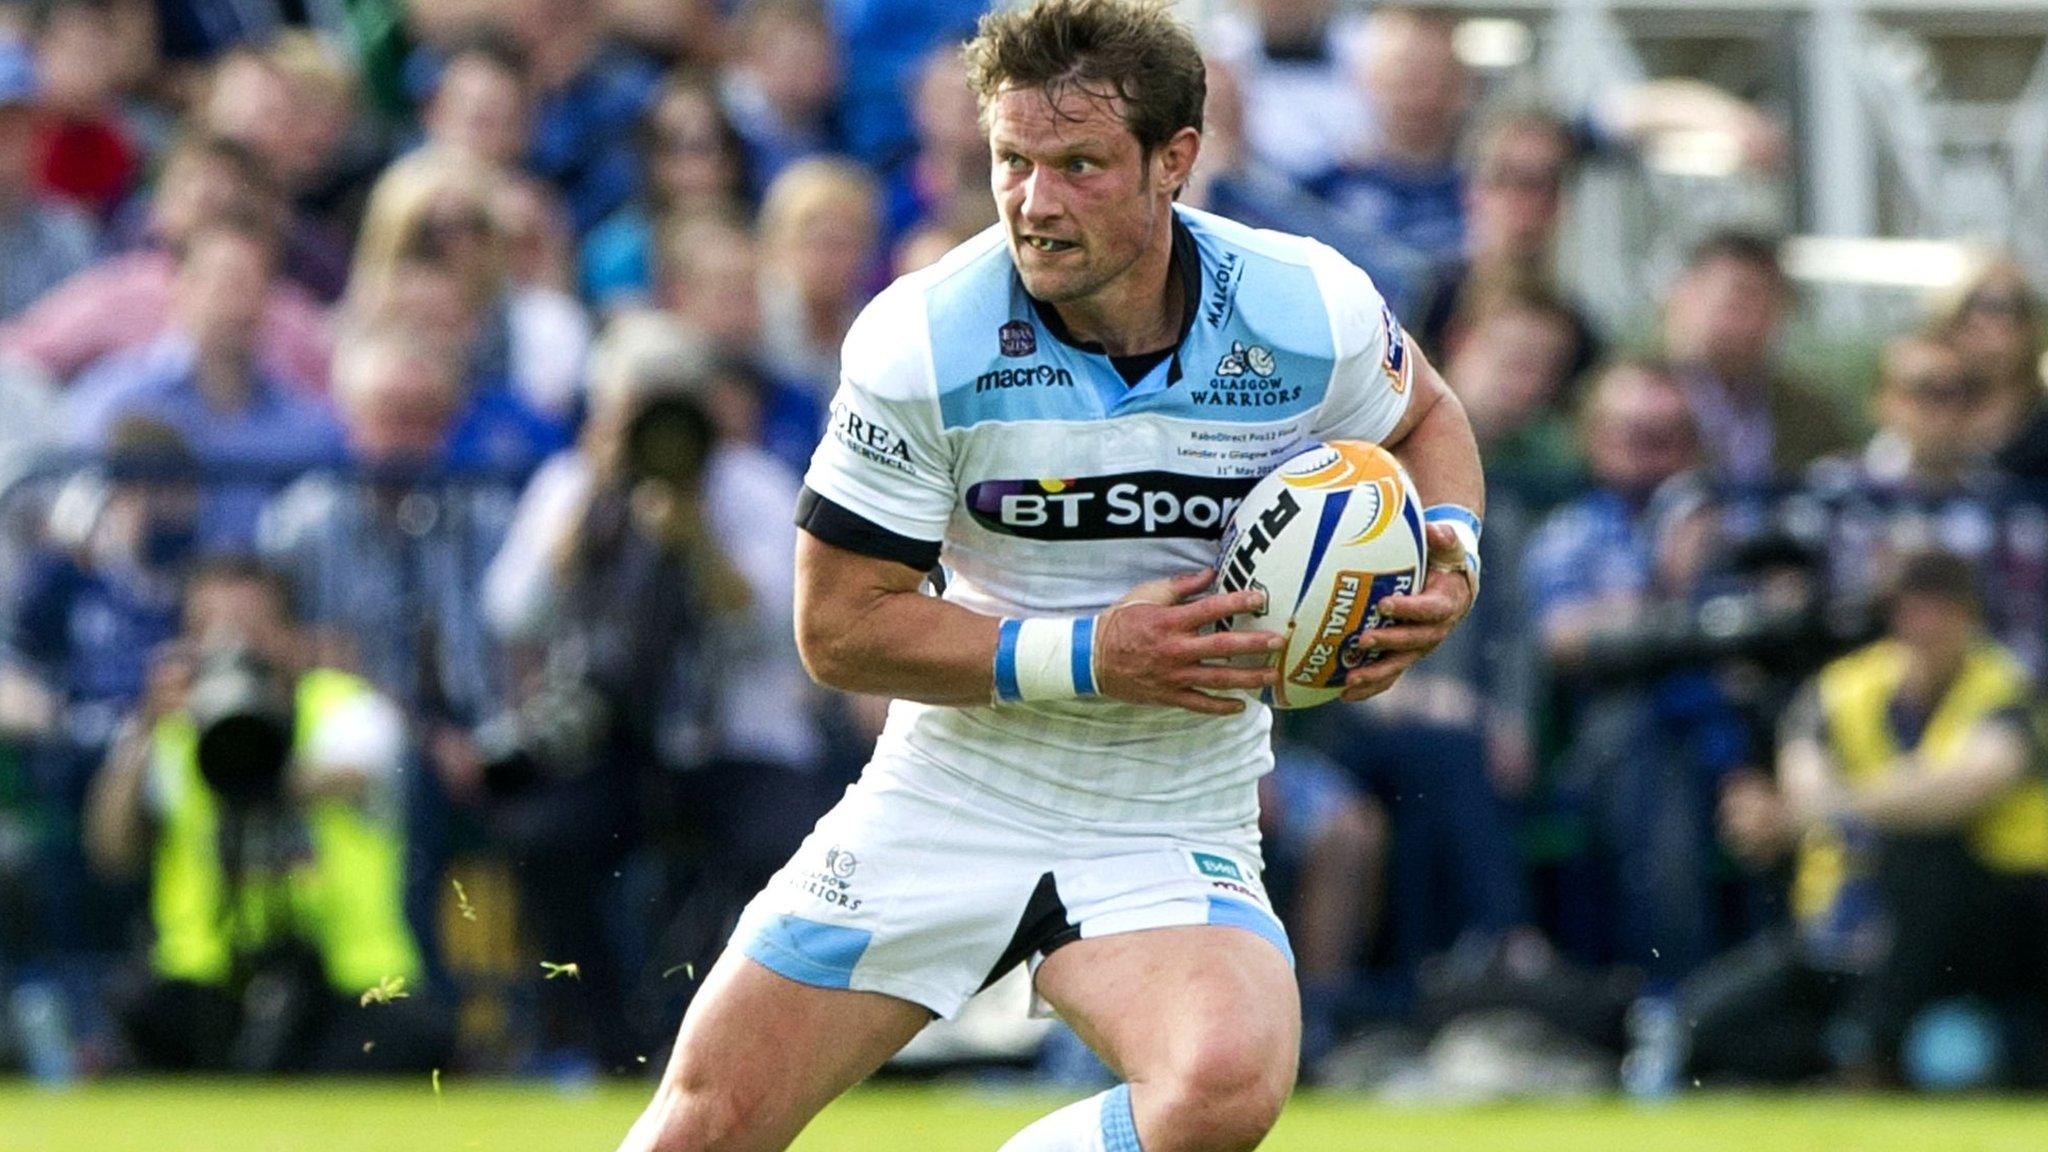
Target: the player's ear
(1176, 158)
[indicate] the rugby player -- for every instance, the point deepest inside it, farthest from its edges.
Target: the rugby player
(1058, 417)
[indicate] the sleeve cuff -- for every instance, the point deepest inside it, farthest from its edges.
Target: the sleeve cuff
(842, 528)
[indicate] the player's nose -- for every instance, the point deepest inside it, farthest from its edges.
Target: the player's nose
(1041, 199)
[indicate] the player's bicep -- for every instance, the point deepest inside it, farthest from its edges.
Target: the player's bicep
(837, 589)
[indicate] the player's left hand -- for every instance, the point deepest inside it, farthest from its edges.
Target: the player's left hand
(1423, 618)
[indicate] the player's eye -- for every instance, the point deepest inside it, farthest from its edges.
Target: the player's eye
(1079, 166)
(1013, 162)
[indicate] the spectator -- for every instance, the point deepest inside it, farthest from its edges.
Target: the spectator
(1521, 163)
(1993, 321)
(781, 87)
(1231, 181)
(1925, 479)
(492, 430)
(482, 110)
(42, 241)
(481, 106)
(93, 600)
(303, 827)
(1327, 841)
(696, 166)
(1930, 414)
(1405, 188)
(1905, 792)
(1645, 753)
(388, 570)
(202, 378)
(89, 156)
(1722, 324)
(588, 99)
(944, 182)
(679, 33)
(540, 252)
(711, 282)
(439, 208)
(388, 567)
(293, 105)
(196, 32)
(819, 232)
(124, 301)
(889, 41)
(1294, 60)
(1512, 366)
(634, 575)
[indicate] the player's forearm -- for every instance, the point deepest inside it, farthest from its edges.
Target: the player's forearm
(1442, 455)
(863, 625)
(904, 645)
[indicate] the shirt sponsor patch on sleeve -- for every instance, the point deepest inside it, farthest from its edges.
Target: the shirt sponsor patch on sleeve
(1394, 360)
(870, 441)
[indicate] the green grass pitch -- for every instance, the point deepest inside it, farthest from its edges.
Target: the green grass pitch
(214, 1116)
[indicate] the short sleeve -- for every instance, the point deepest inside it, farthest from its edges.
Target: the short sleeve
(885, 456)
(1371, 379)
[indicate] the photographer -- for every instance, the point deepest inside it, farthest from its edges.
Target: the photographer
(1646, 748)
(260, 793)
(647, 581)
(1910, 797)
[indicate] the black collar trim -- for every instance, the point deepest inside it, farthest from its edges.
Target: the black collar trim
(1187, 264)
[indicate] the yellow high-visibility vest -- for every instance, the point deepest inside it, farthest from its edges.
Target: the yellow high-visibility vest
(345, 900)
(1856, 694)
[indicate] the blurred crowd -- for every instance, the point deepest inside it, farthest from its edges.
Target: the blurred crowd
(406, 403)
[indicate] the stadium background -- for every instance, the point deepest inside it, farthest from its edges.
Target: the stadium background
(394, 296)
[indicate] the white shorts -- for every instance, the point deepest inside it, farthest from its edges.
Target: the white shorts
(929, 897)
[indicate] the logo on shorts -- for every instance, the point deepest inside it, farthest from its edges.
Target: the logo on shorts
(1217, 867)
(834, 883)
(1017, 338)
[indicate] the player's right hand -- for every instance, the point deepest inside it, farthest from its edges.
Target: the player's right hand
(1151, 647)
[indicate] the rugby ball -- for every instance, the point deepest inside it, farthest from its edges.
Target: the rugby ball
(1327, 535)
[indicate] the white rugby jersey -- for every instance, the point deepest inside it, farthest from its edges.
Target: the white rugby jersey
(968, 428)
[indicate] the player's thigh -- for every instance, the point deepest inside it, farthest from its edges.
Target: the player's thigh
(1195, 1018)
(759, 1055)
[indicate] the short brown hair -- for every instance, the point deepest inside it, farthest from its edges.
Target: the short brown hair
(1135, 51)
(1939, 575)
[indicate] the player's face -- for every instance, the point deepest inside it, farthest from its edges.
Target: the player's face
(1074, 189)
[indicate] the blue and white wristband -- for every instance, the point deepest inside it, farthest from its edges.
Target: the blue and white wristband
(1464, 524)
(1045, 658)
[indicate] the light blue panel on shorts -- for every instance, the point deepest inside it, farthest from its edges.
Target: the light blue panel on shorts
(1252, 918)
(808, 952)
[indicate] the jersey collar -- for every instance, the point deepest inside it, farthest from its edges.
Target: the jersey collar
(1186, 263)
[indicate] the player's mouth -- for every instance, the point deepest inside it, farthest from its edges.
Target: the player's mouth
(1048, 244)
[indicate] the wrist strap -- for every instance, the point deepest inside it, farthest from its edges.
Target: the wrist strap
(1465, 525)
(1045, 658)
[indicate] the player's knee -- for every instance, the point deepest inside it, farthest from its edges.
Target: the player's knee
(1226, 1095)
